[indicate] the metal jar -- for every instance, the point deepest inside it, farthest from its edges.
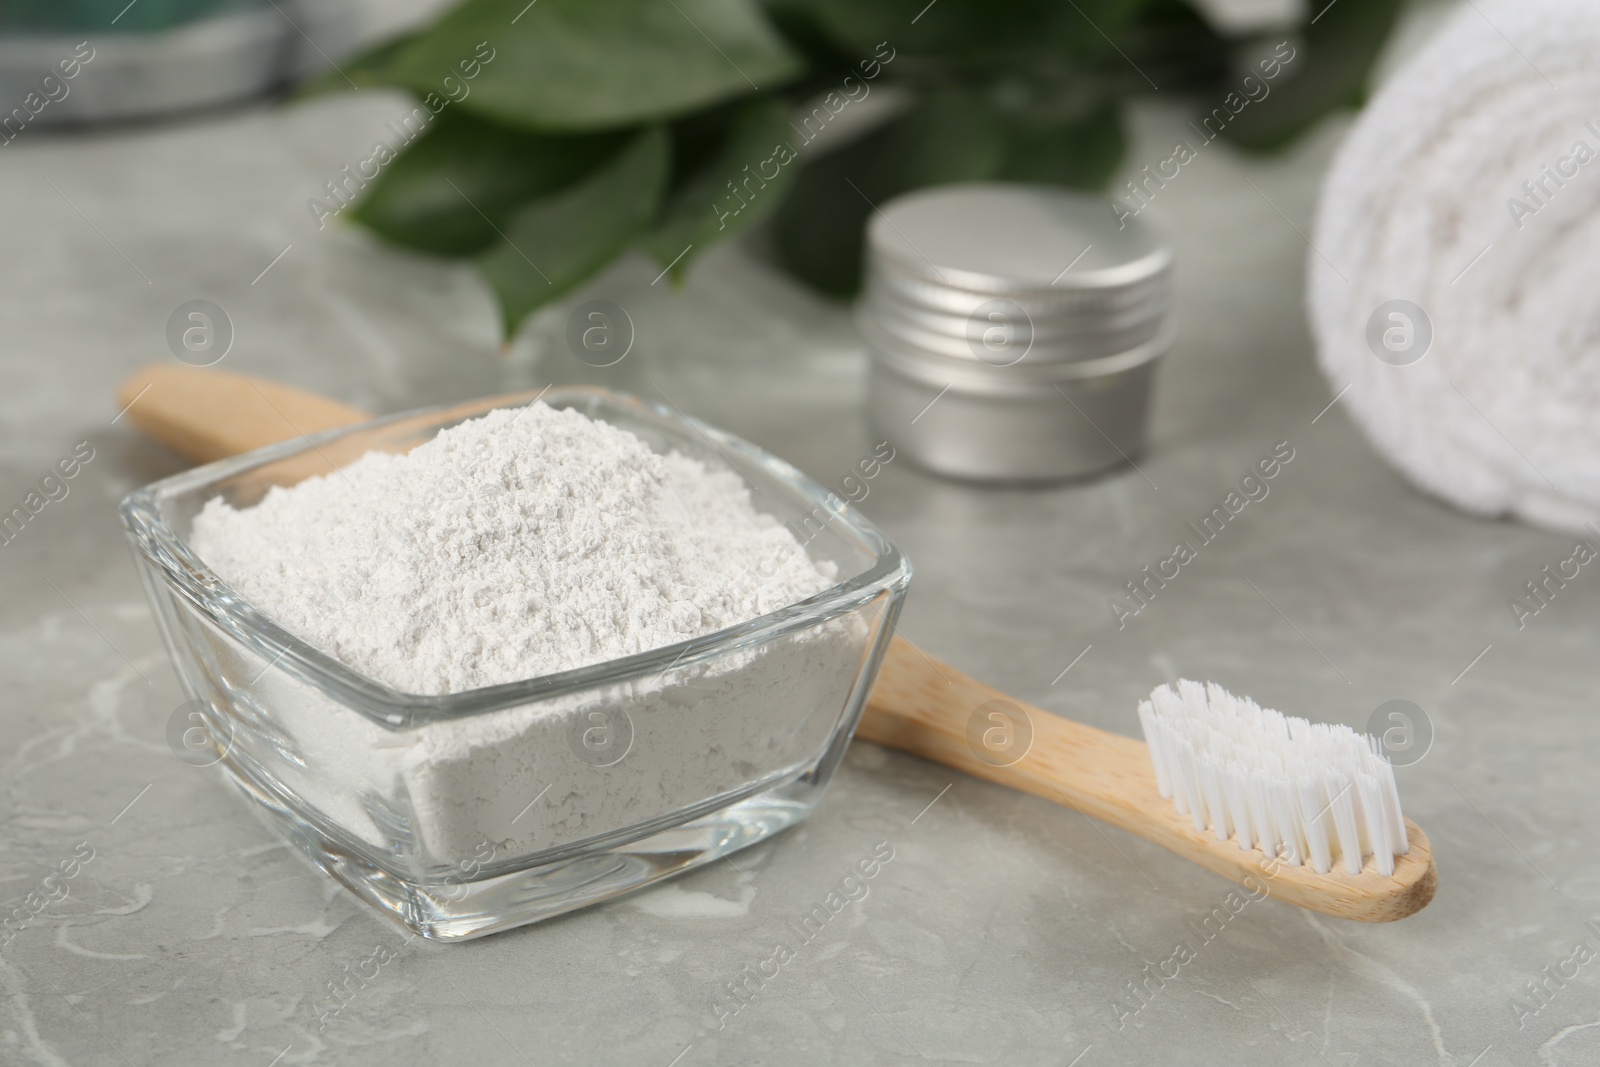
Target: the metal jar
(1014, 330)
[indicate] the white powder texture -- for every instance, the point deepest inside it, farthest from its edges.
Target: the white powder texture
(527, 541)
(515, 545)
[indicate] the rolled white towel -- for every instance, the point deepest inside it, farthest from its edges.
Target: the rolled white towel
(1470, 187)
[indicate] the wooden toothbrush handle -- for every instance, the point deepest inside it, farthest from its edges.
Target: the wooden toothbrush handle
(918, 705)
(930, 709)
(208, 414)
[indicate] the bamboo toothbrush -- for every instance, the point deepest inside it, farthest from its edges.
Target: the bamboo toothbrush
(1243, 792)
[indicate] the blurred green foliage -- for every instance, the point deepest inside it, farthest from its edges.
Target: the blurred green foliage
(567, 131)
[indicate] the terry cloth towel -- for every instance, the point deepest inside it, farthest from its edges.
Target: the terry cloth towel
(1470, 187)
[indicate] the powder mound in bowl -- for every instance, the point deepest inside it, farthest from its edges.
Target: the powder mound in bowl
(528, 541)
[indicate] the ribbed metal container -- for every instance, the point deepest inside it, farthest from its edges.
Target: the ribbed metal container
(1014, 330)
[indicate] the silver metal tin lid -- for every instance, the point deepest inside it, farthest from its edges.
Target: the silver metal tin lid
(1014, 330)
(984, 271)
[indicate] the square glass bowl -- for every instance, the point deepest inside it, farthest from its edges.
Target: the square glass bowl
(464, 814)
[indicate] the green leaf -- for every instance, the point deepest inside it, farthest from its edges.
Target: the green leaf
(950, 136)
(798, 24)
(971, 28)
(1083, 154)
(367, 70)
(740, 184)
(1172, 46)
(1330, 70)
(456, 186)
(595, 64)
(553, 244)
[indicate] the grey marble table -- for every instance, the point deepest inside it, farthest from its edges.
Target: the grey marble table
(1005, 930)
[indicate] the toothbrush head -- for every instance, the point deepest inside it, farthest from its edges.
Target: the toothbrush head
(1306, 793)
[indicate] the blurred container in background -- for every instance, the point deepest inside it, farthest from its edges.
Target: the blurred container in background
(1015, 330)
(68, 62)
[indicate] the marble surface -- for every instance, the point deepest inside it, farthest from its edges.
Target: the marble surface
(1005, 929)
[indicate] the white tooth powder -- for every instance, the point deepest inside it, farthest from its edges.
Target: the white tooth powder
(529, 541)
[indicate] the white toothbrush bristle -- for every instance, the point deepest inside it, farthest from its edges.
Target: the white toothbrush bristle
(1308, 793)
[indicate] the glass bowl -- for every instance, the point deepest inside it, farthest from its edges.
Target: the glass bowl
(464, 814)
